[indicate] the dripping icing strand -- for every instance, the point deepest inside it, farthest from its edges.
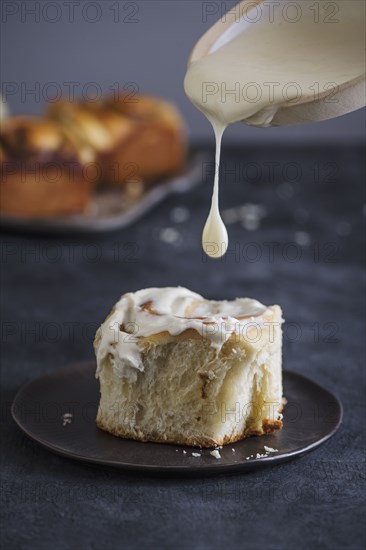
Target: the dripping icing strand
(214, 237)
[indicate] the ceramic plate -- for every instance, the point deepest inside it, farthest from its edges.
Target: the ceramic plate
(312, 415)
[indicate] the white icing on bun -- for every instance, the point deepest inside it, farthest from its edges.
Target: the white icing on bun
(172, 310)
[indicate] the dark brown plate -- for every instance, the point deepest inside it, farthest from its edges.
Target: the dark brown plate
(311, 416)
(109, 208)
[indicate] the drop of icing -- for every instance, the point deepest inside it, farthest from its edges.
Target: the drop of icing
(214, 237)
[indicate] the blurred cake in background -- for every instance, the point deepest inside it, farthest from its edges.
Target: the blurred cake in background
(138, 138)
(51, 165)
(42, 169)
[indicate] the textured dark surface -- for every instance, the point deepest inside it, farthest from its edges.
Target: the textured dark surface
(56, 291)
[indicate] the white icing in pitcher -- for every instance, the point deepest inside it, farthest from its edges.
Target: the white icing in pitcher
(269, 64)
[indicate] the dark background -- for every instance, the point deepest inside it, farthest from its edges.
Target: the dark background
(56, 291)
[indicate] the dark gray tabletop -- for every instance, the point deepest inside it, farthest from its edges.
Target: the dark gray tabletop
(306, 254)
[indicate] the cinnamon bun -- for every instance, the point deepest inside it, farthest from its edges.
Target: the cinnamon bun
(176, 368)
(42, 169)
(136, 139)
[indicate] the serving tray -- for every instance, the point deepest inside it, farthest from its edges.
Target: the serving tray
(110, 208)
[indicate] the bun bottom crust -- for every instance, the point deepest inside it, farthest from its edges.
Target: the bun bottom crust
(269, 426)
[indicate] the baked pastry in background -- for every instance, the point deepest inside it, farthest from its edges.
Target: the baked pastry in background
(4, 109)
(42, 169)
(134, 139)
(131, 142)
(176, 368)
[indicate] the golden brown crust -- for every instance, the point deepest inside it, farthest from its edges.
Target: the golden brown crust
(41, 170)
(33, 195)
(25, 138)
(268, 427)
(95, 126)
(140, 140)
(146, 108)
